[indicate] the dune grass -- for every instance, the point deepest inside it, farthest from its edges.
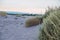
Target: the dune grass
(32, 22)
(51, 26)
(2, 13)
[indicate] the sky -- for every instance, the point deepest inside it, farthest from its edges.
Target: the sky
(29, 6)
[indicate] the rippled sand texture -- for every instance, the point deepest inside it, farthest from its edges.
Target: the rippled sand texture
(13, 28)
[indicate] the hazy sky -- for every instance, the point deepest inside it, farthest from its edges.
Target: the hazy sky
(31, 6)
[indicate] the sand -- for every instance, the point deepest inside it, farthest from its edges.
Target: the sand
(13, 28)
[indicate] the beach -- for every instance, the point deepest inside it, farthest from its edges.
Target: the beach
(13, 28)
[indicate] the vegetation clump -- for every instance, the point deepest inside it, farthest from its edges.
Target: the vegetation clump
(51, 25)
(2, 13)
(32, 22)
(18, 15)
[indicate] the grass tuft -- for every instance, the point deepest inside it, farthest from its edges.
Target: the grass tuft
(51, 26)
(2, 13)
(32, 22)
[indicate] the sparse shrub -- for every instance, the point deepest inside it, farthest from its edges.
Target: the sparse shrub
(32, 22)
(51, 26)
(40, 18)
(2, 13)
(18, 15)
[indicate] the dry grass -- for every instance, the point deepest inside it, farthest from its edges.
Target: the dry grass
(3, 13)
(32, 22)
(51, 26)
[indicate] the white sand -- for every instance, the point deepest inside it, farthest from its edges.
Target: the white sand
(14, 29)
